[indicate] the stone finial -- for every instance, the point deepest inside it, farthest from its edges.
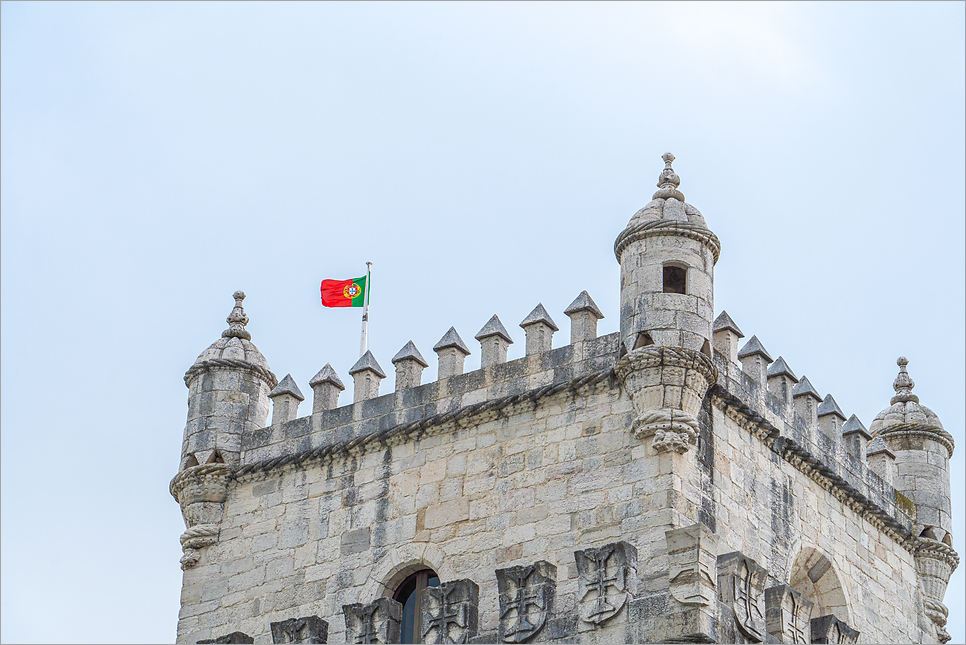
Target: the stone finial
(285, 400)
(367, 375)
(452, 351)
(830, 417)
(584, 314)
(903, 384)
(237, 319)
(806, 399)
(855, 437)
(409, 367)
(494, 342)
(327, 385)
(668, 181)
(725, 335)
(539, 327)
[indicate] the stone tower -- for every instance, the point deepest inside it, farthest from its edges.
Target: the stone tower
(667, 256)
(922, 450)
(228, 388)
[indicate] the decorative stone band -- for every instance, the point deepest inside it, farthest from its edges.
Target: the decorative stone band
(229, 363)
(475, 413)
(201, 491)
(935, 563)
(918, 431)
(667, 386)
(812, 467)
(665, 227)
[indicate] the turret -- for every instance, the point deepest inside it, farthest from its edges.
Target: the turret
(228, 388)
(922, 451)
(667, 256)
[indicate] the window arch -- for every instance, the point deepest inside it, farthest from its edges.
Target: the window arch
(408, 594)
(814, 576)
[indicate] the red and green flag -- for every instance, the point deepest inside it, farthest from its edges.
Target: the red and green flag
(344, 293)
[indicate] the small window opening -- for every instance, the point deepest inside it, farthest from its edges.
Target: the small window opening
(643, 340)
(215, 458)
(928, 533)
(191, 461)
(675, 279)
(408, 595)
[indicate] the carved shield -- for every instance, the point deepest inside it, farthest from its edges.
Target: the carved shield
(450, 612)
(526, 599)
(692, 564)
(377, 622)
(310, 629)
(741, 582)
(787, 614)
(606, 577)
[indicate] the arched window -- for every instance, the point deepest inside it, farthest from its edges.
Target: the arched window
(408, 595)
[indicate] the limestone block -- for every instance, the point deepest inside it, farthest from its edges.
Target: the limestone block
(741, 585)
(584, 314)
(692, 568)
(787, 615)
(326, 385)
(377, 622)
(310, 629)
(494, 342)
(409, 367)
(452, 352)
(285, 400)
(539, 328)
(829, 629)
(450, 612)
(234, 637)
(526, 599)
(607, 579)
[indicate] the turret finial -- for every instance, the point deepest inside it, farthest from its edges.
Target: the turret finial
(904, 383)
(668, 181)
(237, 319)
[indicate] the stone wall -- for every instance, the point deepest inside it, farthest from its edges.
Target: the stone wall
(531, 461)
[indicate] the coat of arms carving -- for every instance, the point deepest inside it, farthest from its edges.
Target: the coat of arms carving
(526, 599)
(608, 577)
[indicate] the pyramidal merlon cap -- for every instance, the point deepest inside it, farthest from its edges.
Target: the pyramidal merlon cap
(584, 303)
(327, 375)
(829, 406)
(780, 367)
(804, 387)
(409, 353)
(451, 339)
(854, 425)
(752, 347)
(494, 327)
(367, 362)
(723, 322)
(287, 386)
(539, 315)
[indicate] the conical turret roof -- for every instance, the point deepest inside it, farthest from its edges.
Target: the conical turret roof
(235, 342)
(905, 408)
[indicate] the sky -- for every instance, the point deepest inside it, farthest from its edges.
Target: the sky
(154, 158)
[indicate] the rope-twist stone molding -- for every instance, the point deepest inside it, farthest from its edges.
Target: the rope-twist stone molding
(667, 227)
(920, 430)
(229, 363)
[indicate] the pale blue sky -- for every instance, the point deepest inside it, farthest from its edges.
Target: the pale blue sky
(157, 157)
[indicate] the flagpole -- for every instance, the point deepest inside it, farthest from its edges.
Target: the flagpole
(365, 314)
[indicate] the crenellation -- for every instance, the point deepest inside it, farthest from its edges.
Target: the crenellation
(634, 487)
(285, 400)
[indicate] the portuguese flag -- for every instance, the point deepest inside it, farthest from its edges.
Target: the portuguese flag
(344, 293)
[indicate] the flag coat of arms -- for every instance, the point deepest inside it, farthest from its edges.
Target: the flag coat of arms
(344, 293)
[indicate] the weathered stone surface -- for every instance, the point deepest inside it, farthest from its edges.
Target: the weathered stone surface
(608, 578)
(829, 629)
(450, 612)
(234, 637)
(377, 622)
(787, 614)
(741, 585)
(691, 564)
(526, 599)
(310, 629)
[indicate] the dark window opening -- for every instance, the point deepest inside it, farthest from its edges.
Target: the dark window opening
(643, 340)
(408, 595)
(215, 458)
(675, 279)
